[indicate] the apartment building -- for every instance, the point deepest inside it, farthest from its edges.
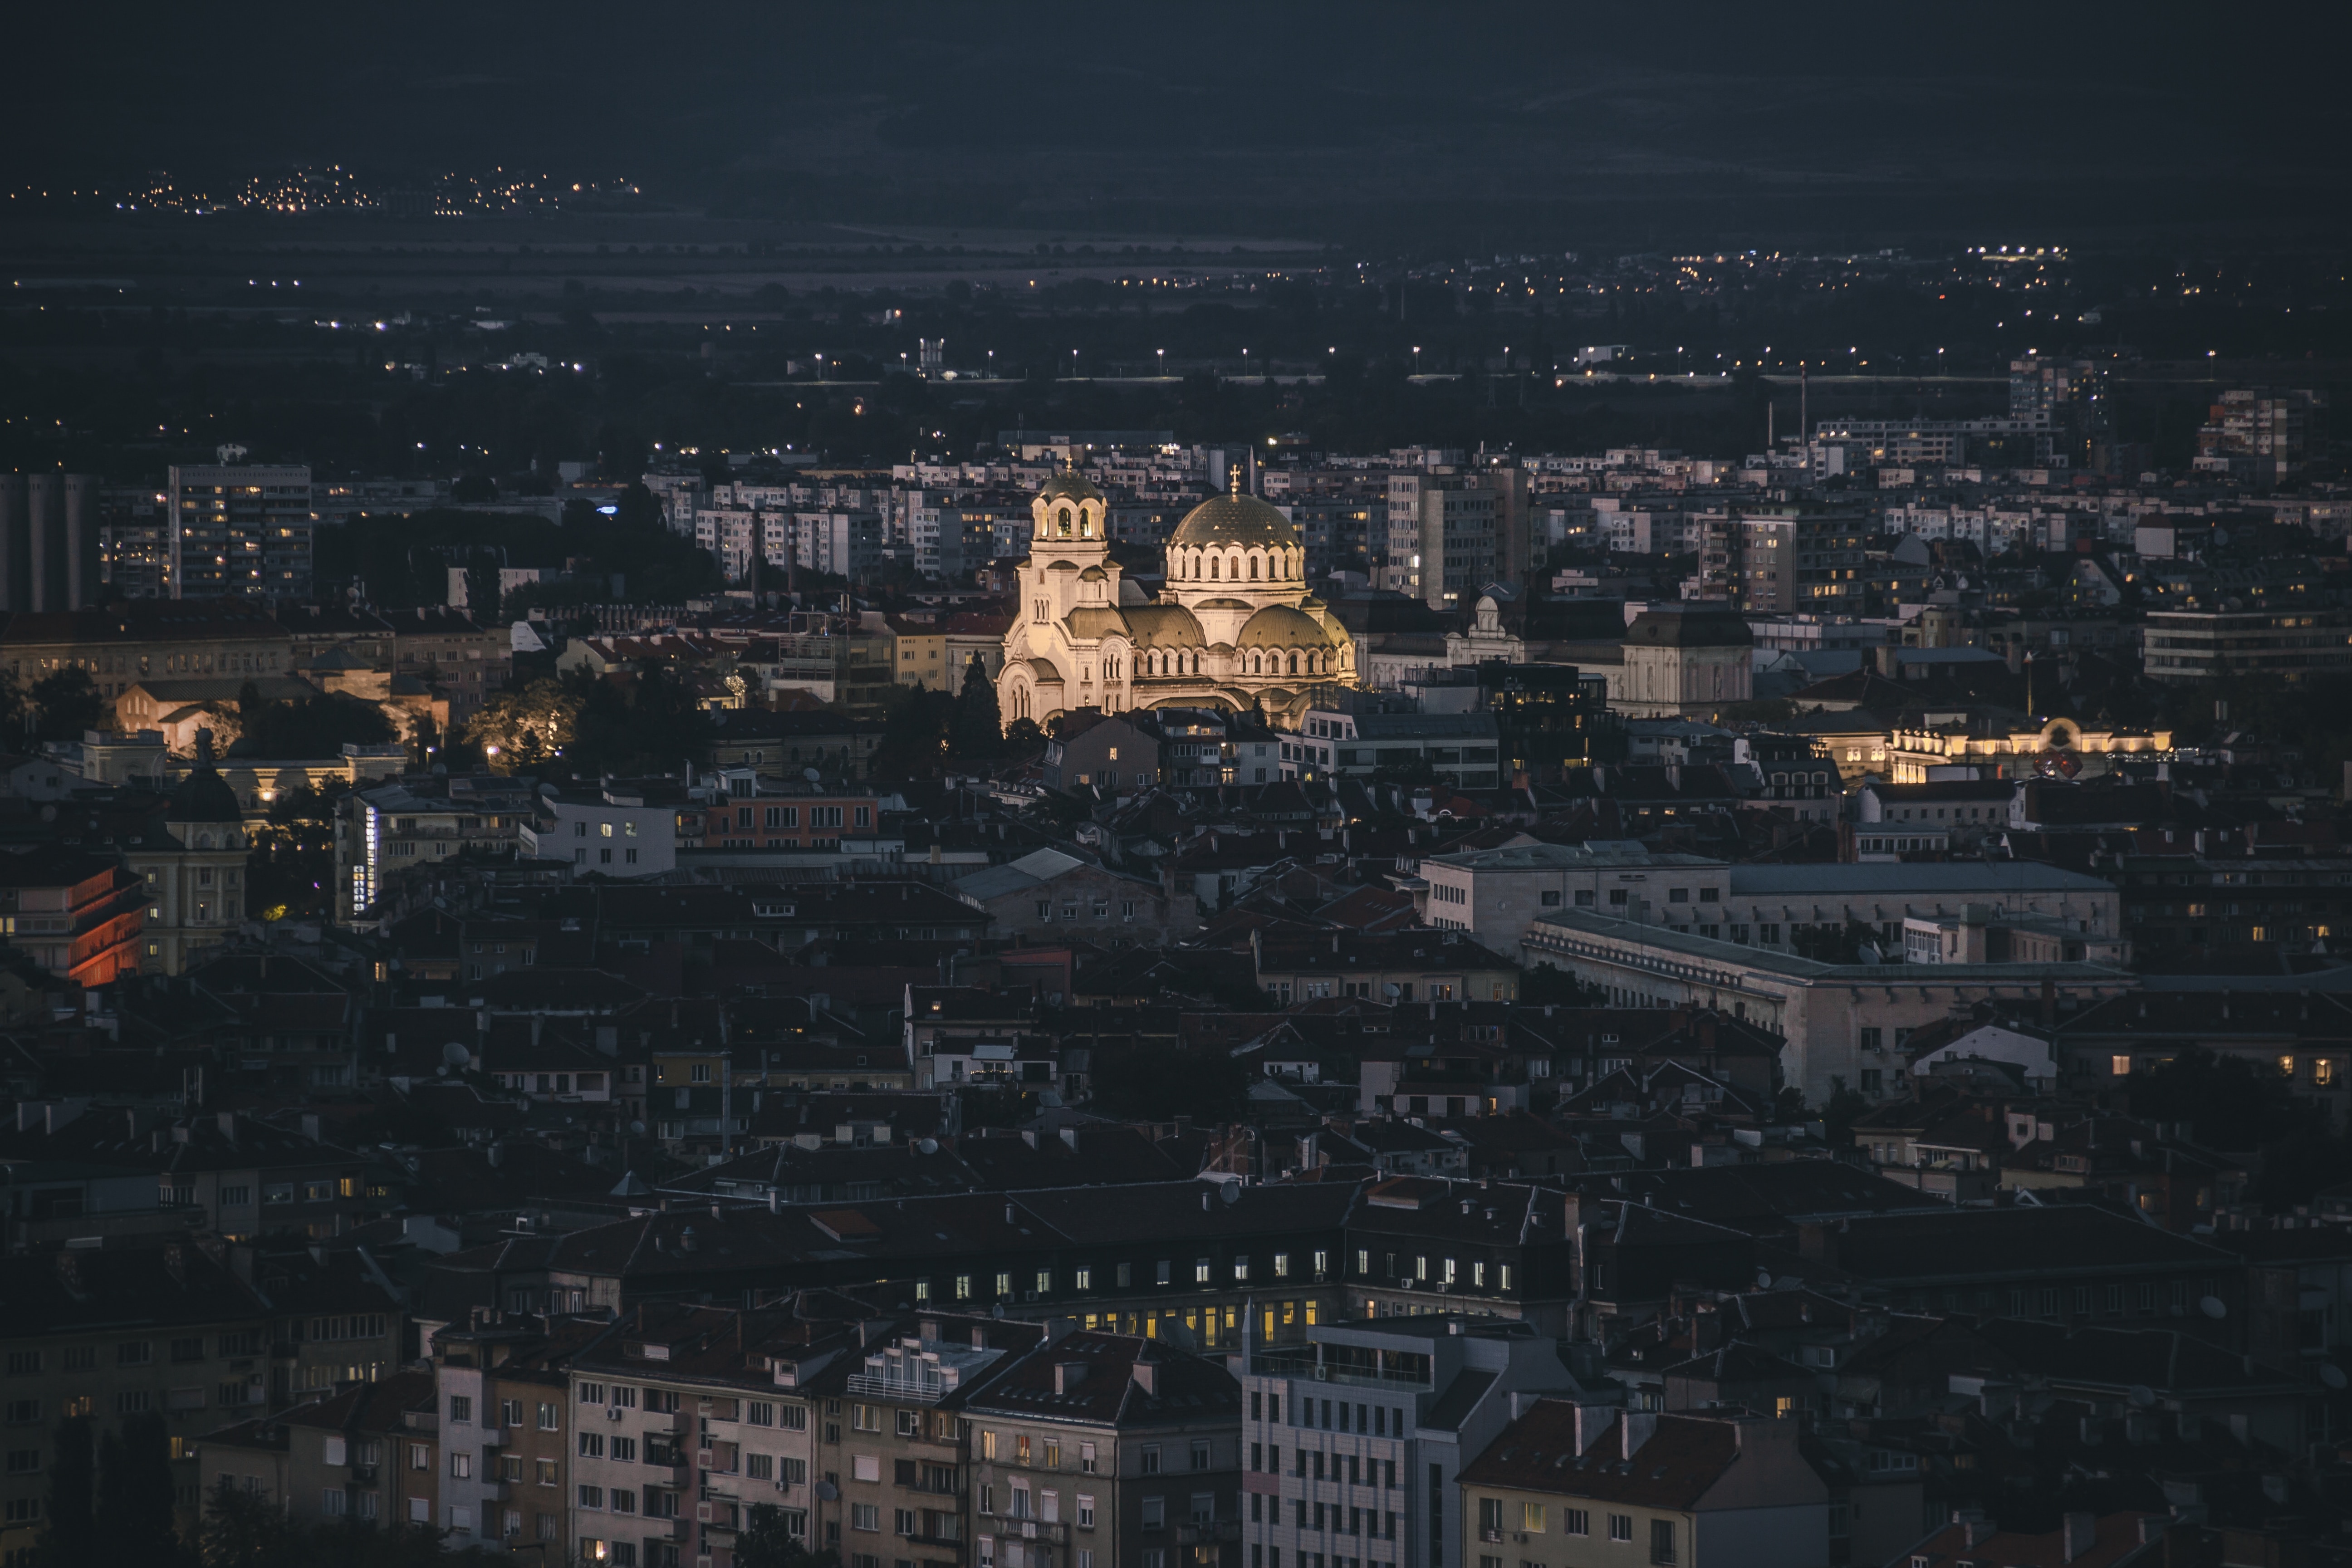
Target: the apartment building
(109, 1333)
(501, 1392)
(1793, 558)
(620, 827)
(684, 1419)
(1583, 1485)
(368, 1454)
(1098, 1450)
(895, 1451)
(1357, 1436)
(1445, 537)
(239, 528)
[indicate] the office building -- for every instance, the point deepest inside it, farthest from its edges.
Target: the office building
(1355, 1438)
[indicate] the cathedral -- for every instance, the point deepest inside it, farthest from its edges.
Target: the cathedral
(1234, 627)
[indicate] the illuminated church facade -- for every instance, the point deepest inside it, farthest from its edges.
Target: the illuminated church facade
(1234, 627)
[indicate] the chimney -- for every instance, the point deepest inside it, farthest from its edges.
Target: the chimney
(2048, 1003)
(1636, 1429)
(1146, 1376)
(1591, 1420)
(1976, 1531)
(2081, 1532)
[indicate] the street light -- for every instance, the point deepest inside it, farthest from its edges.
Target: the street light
(1163, 363)
(1416, 359)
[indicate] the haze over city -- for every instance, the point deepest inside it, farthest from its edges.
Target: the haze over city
(1042, 786)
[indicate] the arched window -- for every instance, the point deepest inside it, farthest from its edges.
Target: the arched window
(1294, 664)
(1212, 566)
(1237, 566)
(1253, 568)
(1065, 522)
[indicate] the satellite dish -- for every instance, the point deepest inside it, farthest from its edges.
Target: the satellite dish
(1763, 1279)
(2142, 1395)
(997, 1310)
(1233, 1193)
(812, 776)
(828, 1490)
(928, 1146)
(456, 1055)
(2332, 1376)
(2213, 1307)
(638, 1128)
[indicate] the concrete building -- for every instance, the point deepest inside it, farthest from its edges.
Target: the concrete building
(1357, 1436)
(1496, 894)
(1105, 1447)
(2251, 645)
(1587, 1487)
(623, 827)
(1053, 895)
(77, 915)
(240, 530)
(393, 828)
(1845, 1023)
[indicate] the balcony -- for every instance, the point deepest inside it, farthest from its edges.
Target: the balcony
(667, 1423)
(1208, 1531)
(1052, 1532)
(677, 1477)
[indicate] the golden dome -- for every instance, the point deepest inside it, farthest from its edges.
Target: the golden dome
(1234, 520)
(1069, 485)
(1279, 626)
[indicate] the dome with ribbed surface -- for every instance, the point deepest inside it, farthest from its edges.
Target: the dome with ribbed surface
(1070, 485)
(1279, 626)
(1240, 519)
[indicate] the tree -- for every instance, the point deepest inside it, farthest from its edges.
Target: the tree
(64, 703)
(482, 588)
(916, 736)
(764, 1542)
(1844, 1107)
(315, 727)
(136, 1497)
(1203, 1082)
(524, 729)
(979, 728)
(70, 1535)
(1024, 740)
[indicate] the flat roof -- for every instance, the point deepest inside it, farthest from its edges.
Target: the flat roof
(1592, 854)
(1946, 878)
(1570, 924)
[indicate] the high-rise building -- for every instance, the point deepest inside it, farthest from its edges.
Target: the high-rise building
(1444, 539)
(134, 540)
(2256, 434)
(239, 528)
(1796, 559)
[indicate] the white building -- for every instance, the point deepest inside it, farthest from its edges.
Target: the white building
(1354, 1438)
(1498, 893)
(623, 828)
(1844, 1023)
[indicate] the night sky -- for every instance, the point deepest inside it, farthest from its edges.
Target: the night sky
(1359, 124)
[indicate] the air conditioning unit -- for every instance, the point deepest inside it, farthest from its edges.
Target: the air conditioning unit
(612, 1413)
